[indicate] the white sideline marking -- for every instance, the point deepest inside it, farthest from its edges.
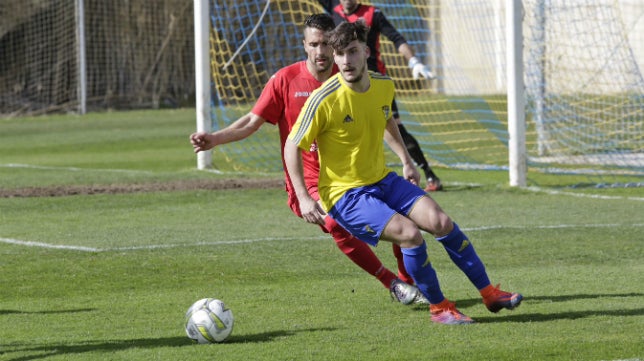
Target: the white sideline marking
(217, 171)
(270, 239)
(215, 243)
(72, 169)
(148, 247)
(48, 245)
(76, 169)
(556, 226)
(581, 195)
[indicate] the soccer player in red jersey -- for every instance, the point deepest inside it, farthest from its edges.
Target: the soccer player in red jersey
(279, 104)
(352, 11)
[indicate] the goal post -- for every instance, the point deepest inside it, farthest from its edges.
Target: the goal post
(81, 56)
(202, 76)
(517, 159)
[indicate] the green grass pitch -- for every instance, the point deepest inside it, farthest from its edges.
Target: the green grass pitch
(110, 276)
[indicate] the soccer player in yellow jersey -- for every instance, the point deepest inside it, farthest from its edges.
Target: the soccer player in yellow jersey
(347, 118)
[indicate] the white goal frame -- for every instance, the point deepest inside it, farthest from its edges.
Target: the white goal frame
(516, 109)
(518, 156)
(202, 77)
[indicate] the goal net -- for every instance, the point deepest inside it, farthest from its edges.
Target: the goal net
(65, 55)
(583, 79)
(585, 85)
(37, 56)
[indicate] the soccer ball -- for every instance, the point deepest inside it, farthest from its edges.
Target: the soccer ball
(209, 321)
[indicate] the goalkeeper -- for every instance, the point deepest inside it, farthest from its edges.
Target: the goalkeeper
(280, 103)
(351, 11)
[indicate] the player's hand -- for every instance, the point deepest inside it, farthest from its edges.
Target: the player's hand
(419, 69)
(201, 141)
(410, 172)
(311, 211)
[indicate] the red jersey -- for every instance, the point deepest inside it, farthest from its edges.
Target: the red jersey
(280, 103)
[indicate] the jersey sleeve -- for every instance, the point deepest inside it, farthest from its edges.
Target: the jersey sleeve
(328, 5)
(270, 104)
(388, 30)
(306, 128)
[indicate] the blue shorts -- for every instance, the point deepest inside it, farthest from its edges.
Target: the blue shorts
(365, 211)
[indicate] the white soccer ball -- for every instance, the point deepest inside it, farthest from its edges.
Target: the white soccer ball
(209, 321)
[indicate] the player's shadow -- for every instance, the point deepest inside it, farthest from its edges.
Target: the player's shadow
(119, 345)
(52, 350)
(453, 187)
(555, 298)
(544, 317)
(566, 315)
(269, 336)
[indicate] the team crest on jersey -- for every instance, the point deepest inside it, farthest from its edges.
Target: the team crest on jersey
(386, 110)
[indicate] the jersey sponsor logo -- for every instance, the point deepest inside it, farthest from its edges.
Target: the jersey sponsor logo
(302, 94)
(347, 119)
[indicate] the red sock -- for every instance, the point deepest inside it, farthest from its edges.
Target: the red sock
(359, 252)
(402, 271)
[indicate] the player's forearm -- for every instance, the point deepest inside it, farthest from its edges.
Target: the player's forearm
(406, 51)
(396, 144)
(295, 169)
(225, 136)
(242, 128)
(310, 210)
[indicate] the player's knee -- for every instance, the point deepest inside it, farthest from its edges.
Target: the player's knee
(442, 225)
(402, 231)
(429, 217)
(411, 241)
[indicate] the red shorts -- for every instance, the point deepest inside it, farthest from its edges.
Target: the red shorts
(294, 204)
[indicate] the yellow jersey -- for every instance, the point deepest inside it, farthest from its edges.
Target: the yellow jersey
(348, 128)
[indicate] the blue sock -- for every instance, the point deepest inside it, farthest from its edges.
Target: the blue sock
(462, 253)
(418, 266)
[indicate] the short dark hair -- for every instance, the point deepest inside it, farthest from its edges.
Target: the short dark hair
(321, 21)
(347, 32)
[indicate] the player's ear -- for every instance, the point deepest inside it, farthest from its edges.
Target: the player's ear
(367, 50)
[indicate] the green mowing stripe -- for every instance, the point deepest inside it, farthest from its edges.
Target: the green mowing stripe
(280, 239)
(574, 253)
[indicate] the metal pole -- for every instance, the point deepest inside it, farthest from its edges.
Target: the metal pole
(516, 109)
(81, 87)
(202, 77)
